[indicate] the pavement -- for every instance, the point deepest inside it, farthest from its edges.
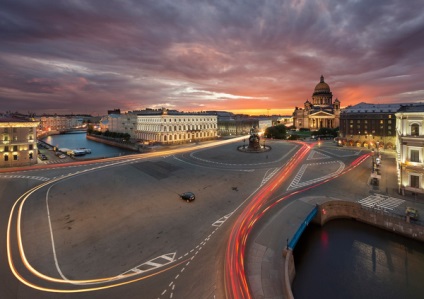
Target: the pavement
(264, 256)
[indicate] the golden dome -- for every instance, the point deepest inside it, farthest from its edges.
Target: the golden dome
(322, 86)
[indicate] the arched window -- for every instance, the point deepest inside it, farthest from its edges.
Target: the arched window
(415, 130)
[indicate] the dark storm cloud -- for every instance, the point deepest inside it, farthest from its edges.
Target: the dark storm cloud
(219, 54)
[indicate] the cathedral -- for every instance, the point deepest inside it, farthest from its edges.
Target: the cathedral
(321, 112)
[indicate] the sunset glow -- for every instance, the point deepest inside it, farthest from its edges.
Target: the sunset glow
(251, 57)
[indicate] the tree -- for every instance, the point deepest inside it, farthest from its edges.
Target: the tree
(277, 132)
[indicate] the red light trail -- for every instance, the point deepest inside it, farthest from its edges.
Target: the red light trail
(236, 285)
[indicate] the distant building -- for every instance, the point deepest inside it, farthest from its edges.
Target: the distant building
(410, 148)
(18, 145)
(122, 123)
(365, 124)
(321, 112)
(230, 124)
(60, 122)
(173, 127)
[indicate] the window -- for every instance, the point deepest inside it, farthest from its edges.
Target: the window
(6, 148)
(415, 156)
(15, 148)
(15, 157)
(415, 130)
(31, 146)
(414, 181)
(6, 158)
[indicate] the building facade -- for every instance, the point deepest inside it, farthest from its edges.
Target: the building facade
(363, 125)
(410, 148)
(18, 145)
(321, 112)
(167, 127)
(59, 123)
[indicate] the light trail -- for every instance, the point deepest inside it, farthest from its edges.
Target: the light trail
(236, 286)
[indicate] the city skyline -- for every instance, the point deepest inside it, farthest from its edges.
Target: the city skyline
(246, 57)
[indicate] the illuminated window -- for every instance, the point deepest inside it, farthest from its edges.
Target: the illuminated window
(415, 130)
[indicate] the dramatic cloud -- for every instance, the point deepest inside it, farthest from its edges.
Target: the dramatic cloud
(75, 56)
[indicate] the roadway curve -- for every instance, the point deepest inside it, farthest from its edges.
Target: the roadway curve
(236, 283)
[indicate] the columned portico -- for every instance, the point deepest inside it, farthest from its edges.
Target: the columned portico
(321, 112)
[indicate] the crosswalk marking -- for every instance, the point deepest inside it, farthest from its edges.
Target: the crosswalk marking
(314, 155)
(39, 178)
(155, 263)
(296, 181)
(270, 175)
(381, 202)
(221, 220)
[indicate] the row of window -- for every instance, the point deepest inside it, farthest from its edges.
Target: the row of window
(14, 148)
(371, 121)
(15, 138)
(15, 130)
(15, 156)
(158, 120)
(186, 136)
(157, 128)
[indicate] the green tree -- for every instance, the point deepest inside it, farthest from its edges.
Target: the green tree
(277, 132)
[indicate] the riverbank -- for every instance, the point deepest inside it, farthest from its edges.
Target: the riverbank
(110, 141)
(329, 209)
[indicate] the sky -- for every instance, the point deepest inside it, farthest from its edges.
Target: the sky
(251, 56)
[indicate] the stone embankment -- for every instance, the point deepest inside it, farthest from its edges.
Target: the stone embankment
(337, 209)
(129, 146)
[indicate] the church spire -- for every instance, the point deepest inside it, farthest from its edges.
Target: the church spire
(321, 79)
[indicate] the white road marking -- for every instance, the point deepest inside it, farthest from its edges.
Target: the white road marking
(381, 202)
(295, 183)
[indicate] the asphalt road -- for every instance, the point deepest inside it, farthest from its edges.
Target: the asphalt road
(118, 228)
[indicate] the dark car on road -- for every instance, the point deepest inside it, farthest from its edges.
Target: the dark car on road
(43, 157)
(188, 196)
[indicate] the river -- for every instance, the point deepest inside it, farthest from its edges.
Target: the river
(349, 259)
(79, 140)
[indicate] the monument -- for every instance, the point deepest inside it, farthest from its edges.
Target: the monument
(254, 145)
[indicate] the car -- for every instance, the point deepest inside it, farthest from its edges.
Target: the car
(62, 156)
(188, 196)
(412, 213)
(43, 157)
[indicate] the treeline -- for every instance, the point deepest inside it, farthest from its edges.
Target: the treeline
(281, 132)
(115, 135)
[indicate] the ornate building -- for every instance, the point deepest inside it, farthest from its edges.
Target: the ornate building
(321, 113)
(410, 148)
(18, 144)
(173, 127)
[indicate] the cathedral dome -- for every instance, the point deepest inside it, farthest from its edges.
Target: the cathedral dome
(322, 87)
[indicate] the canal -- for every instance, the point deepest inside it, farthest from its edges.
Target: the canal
(79, 140)
(350, 259)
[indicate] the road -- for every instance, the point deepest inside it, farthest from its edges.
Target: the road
(118, 226)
